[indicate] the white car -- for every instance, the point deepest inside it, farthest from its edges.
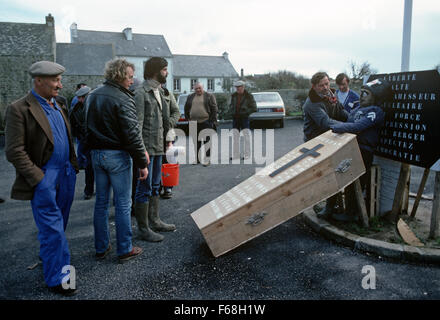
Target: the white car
(270, 106)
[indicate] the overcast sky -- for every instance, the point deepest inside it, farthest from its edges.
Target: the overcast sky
(260, 36)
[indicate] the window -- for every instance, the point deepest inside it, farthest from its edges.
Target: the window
(193, 83)
(177, 85)
(210, 84)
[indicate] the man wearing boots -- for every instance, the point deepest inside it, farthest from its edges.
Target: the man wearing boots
(321, 110)
(366, 122)
(155, 120)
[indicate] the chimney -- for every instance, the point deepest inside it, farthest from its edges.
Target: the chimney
(225, 55)
(242, 73)
(50, 21)
(73, 32)
(128, 34)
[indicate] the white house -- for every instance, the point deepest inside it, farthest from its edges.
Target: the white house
(216, 73)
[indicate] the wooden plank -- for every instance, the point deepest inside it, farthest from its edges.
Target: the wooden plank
(400, 190)
(435, 215)
(405, 199)
(424, 196)
(362, 209)
(420, 192)
(378, 190)
(373, 187)
(407, 235)
(262, 202)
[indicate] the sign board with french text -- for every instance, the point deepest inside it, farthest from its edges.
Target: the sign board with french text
(411, 132)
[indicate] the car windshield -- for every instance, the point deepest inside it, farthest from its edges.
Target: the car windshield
(267, 97)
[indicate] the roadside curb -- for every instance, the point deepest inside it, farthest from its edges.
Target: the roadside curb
(367, 245)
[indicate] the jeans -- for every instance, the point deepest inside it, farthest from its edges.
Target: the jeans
(150, 186)
(113, 169)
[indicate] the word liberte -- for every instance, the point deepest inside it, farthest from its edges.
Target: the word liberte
(221, 146)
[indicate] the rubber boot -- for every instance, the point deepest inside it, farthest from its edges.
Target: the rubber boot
(141, 213)
(329, 208)
(153, 215)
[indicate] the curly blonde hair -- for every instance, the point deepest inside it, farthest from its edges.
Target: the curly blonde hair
(116, 70)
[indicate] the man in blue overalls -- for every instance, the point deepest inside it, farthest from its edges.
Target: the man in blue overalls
(39, 145)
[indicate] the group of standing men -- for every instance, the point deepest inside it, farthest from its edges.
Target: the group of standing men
(344, 111)
(119, 131)
(117, 128)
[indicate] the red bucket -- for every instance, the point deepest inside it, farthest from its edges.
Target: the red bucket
(170, 174)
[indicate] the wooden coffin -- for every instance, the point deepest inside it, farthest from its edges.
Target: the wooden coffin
(305, 176)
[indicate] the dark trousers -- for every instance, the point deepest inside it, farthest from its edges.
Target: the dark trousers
(201, 126)
(241, 124)
(85, 161)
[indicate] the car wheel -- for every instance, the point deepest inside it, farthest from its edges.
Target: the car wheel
(282, 123)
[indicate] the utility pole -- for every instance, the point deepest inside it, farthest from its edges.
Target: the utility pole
(405, 169)
(406, 40)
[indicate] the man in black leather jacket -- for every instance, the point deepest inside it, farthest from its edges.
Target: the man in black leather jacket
(114, 137)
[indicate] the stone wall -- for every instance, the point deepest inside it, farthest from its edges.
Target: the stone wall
(15, 81)
(22, 44)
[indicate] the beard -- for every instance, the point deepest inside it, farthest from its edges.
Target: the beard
(161, 78)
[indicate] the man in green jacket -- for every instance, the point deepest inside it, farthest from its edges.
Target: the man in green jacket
(156, 119)
(241, 107)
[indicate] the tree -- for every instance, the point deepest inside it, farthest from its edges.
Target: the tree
(282, 79)
(358, 71)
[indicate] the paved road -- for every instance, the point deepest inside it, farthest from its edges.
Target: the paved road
(289, 262)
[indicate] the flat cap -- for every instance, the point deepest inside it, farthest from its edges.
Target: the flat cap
(82, 91)
(239, 83)
(45, 69)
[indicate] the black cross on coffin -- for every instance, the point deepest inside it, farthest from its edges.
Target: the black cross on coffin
(306, 152)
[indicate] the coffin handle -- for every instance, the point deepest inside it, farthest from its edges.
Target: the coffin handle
(344, 165)
(256, 218)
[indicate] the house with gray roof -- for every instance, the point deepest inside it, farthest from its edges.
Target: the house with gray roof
(84, 59)
(22, 44)
(214, 72)
(136, 48)
(84, 63)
